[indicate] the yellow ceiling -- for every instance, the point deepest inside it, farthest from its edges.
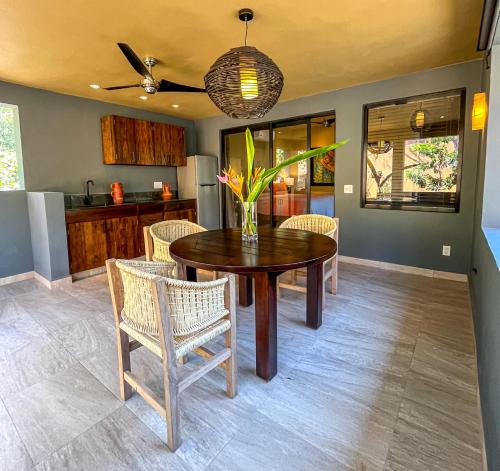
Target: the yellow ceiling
(319, 44)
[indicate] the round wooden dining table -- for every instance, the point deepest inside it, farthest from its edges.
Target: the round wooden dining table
(276, 251)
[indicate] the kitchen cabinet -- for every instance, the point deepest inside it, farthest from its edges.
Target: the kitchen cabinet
(121, 237)
(129, 141)
(162, 144)
(86, 245)
(96, 234)
(143, 132)
(118, 140)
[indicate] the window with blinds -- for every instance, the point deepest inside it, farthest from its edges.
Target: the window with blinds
(412, 152)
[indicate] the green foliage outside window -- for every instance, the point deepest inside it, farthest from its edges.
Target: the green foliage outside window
(9, 162)
(436, 169)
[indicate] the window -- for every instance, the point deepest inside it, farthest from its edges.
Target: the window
(412, 152)
(11, 161)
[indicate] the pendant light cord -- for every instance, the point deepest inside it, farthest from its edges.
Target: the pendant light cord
(246, 30)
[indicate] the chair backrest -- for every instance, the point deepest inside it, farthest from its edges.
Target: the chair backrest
(312, 222)
(192, 305)
(165, 232)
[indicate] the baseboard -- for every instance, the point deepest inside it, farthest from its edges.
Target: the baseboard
(87, 273)
(66, 281)
(405, 269)
(14, 278)
(33, 274)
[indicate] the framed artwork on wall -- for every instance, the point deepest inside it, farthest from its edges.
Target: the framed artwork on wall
(323, 169)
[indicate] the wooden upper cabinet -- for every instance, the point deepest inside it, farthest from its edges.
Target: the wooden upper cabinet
(161, 139)
(139, 142)
(144, 142)
(178, 151)
(118, 140)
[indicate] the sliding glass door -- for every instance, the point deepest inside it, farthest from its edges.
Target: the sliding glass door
(304, 187)
(235, 156)
(291, 185)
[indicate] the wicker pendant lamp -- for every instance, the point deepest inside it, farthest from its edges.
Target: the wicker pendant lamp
(244, 82)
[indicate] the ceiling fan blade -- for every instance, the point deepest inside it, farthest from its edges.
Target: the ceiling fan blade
(135, 62)
(167, 86)
(121, 86)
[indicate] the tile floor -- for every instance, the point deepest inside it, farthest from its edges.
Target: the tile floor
(387, 383)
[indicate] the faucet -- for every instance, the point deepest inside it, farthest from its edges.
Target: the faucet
(88, 197)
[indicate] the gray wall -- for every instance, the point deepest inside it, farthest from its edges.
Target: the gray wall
(15, 241)
(404, 237)
(485, 283)
(48, 234)
(61, 144)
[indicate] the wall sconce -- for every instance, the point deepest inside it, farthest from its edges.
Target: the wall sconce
(479, 111)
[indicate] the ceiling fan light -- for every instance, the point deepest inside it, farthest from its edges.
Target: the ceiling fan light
(95, 86)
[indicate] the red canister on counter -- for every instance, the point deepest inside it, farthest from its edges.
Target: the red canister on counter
(117, 192)
(166, 194)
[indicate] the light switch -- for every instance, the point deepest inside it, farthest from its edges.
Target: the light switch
(158, 185)
(348, 189)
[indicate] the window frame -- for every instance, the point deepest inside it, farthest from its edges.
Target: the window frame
(402, 206)
(19, 148)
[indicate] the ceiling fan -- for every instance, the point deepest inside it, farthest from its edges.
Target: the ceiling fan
(326, 123)
(148, 82)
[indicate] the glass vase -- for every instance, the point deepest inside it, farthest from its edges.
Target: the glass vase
(249, 221)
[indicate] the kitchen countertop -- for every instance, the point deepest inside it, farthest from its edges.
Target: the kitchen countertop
(126, 203)
(76, 202)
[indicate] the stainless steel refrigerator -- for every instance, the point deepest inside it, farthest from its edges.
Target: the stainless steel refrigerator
(198, 179)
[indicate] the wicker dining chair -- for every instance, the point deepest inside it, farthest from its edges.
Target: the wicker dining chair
(159, 236)
(171, 318)
(322, 225)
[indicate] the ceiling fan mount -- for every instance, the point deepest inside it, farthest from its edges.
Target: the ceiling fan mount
(148, 82)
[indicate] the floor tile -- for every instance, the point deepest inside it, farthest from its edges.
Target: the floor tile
(17, 328)
(51, 413)
(13, 454)
(39, 359)
(265, 445)
(120, 441)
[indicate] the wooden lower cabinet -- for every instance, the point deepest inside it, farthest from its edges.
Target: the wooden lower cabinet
(187, 214)
(94, 235)
(121, 237)
(146, 220)
(87, 245)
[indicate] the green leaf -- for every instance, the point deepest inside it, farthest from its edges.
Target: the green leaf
(268, 176)
(250, 158)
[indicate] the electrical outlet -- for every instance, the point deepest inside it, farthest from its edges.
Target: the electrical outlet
(158, 185)
(348, 189)
(446, 250)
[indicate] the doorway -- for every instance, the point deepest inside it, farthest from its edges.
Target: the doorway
(303, 187)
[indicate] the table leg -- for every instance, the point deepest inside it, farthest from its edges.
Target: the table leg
(266, 337)
(245, 290)
(191, 273)
(185, 272)
(314, 317)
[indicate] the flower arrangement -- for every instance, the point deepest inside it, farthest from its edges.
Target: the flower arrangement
(259, 179)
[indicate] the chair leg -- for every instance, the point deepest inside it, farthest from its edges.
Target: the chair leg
(231, 364)
(123, 346)
(324, 285)
(172, 409)
(335, 265)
